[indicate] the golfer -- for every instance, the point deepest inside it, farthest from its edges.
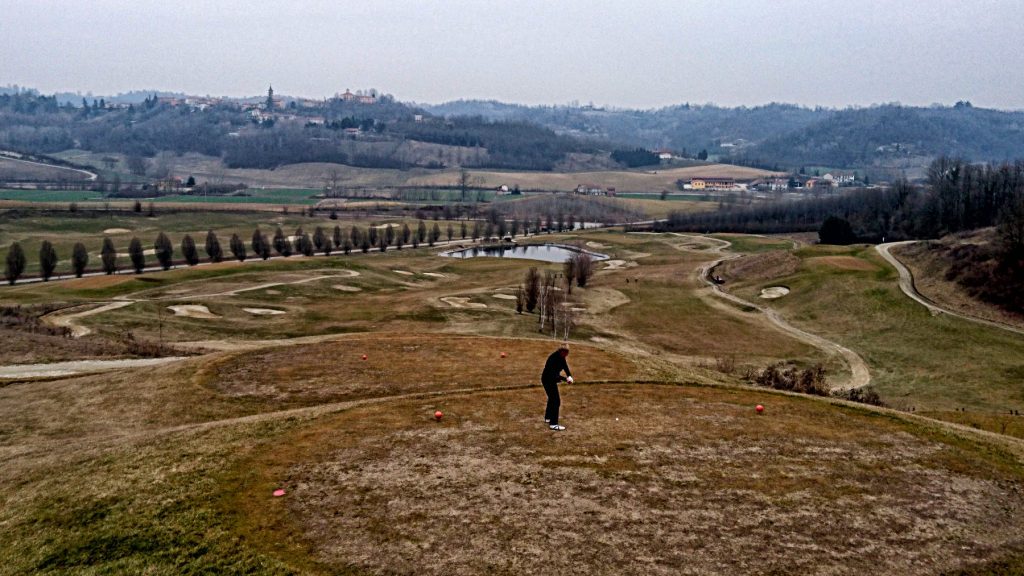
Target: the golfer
(550, 378)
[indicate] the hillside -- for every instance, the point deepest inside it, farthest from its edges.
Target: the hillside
(888, 136)
(372, 132)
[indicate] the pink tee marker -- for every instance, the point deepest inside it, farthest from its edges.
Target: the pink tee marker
(278, 492)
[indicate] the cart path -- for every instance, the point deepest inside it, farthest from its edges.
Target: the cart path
(860, 375)
(908, 288)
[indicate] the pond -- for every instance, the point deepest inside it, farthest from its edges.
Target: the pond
(543, 252)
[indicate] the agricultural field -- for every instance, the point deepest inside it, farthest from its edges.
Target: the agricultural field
(315, 175)
(318, 378)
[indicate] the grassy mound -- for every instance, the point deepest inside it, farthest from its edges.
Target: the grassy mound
(334, 371)
(647, 480)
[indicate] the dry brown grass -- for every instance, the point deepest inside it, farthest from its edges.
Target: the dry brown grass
(842, 263)
(764, 266)
(929, 269)
(334, 371)
(15, 170)
(623, 181)
(97, 282)
(647, 480)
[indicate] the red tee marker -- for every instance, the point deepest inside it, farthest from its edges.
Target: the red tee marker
(438, 415)
(364, 356)
(279, 492)
(759, 409)
(503, 354)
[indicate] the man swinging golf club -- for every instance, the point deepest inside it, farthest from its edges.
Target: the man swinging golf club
(550, 378)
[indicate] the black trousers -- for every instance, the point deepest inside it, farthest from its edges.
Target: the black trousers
(554, 401)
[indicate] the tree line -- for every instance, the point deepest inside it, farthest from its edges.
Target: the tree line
(958, 196)
(259, 245)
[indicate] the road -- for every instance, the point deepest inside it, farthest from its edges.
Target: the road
(90, 176)
(908, 288)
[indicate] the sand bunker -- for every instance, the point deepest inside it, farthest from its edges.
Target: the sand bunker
(773, 292)
(117, 231)
(456, 302)
(345, 288)
(192, 311)
(58, 369)
(595, 245)
(619, 264)
(503, 296)
(434, 275)
(147, 252)
(263, 311)
(403, 272)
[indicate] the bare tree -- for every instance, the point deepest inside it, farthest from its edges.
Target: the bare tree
(584, 269)
(569, 269)
(548, 300)
(531, 289)
(520, 299)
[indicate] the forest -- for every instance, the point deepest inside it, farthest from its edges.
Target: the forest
(958, 196)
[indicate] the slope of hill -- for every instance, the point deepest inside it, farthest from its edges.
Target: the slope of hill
(786, 135)
(869, 136)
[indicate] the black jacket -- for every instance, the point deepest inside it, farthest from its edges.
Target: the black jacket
(553, 367)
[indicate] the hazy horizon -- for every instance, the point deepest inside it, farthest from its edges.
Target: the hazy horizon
(823, 53)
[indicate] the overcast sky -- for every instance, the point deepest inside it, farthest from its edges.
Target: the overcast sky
(621, 53)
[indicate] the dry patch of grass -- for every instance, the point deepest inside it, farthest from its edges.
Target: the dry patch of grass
(97, 282)
(843, 263)
(647, 480)
(622, 180)
(334, 371)
(763, 266)
(929, 263)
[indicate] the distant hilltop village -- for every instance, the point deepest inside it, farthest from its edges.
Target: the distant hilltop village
(271, 102)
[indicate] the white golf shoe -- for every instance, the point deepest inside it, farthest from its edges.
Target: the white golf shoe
(557, 427)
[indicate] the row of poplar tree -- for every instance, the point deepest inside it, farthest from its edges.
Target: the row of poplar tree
(321, 241)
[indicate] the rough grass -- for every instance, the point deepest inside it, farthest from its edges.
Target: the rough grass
(169, 470)
(647, 480)
(932, 363)
(750, 244)
(334, 371)
(931, 262)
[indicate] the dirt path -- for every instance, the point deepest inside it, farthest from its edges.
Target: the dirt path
(908, 288)
(860, 375)
(68, 318)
